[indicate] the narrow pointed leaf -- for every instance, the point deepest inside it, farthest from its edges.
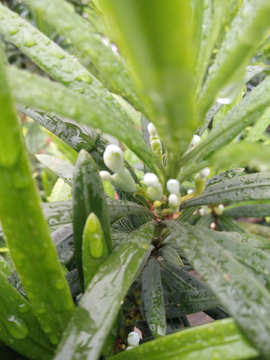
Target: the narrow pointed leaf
(94, 248)
(169, 254)
(119, 208)
(163, 60)
(247, 301)
(20, 329)
(152, 295)
(63, 17)
(63, 240)
(256, 259)
(247, 30)
(250, 210)
(75, 135)
(221, 339)
(98, 308)
(55, 61)
(60, 167)
(25, 228)
(5, 267)
(245, 188)
(43, 94)
(88, 196)
(57, 214)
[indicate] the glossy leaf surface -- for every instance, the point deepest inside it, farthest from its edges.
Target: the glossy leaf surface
(98, 308)
(60, 167)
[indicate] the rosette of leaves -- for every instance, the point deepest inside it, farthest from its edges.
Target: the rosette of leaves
(110, 264)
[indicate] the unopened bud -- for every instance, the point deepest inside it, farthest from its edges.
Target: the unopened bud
(105, 175)
(133, 339)
(190, 191)
(174, 202)
(195, 141)
(173, 186)
(155, 193)
(219, 209)
(124, 181)
(204, 173)
(113, 158)
(152, 129)
(150, 180)
(156, 146)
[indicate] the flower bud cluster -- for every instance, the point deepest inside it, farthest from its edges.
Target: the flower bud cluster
(173, 187)
(155, 140)
(114, 159)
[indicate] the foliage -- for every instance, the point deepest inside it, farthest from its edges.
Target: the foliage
(114, 262)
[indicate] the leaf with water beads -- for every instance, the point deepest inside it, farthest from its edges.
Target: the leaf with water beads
(248, 302)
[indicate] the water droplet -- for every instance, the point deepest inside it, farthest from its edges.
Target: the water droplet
(24, 307)
(13, 31)
(15, 326)
(59, 284)
(84, 76)
(29, 42)
(54, 340)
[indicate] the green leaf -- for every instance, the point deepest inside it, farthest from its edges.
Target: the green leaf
(247, 301)
(61, 191)
(25, 228)
(94, 248)
(169, 254)
(257, 229)
(20, 329)
(98, 308)
(75, 135)
(88, 196)
(60, 167)
(152, 295)
(55, 61)
(244, 188)
(259, 127)
(257, 260)
(120, 208)
(237, 119)
(246, 31)
(249, 209)
(41, 93)
(251, 72)
(5, 267)
(63, 240)
(80, 33)
(163, 60)
(220, 339)
(57, 213)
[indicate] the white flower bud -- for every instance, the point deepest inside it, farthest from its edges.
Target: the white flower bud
(173, 186)
(195, 141)
(204, 210)
(152, 129)
(173, 200)
(150, 180)
(219, 209)
(204, 173)
(190, 191)
(155, 193)
(113, 158)
(105, 175)
(133, 339)
(124, 181)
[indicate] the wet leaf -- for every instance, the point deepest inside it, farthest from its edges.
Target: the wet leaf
(60, 167)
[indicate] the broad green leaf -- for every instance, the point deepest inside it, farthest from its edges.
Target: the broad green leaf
(242, 154)
(152, 296)
(61, 191)
(257, 260)
(60, 167)
(243, 114)
(5, 267)
(20, 329)
(119, 208)
(221, 339)
(25, 228)
(248, 302)
(55, 61)
(169, 254)
(63, 17)
(251, 72)
(244, 188)
(41, 93)
(88, 196)
(94, 248)
(98, 308)
(163, 60)
(249, 209)
(257, 229)
(225, 75)
(259, 127)
(76, 136)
